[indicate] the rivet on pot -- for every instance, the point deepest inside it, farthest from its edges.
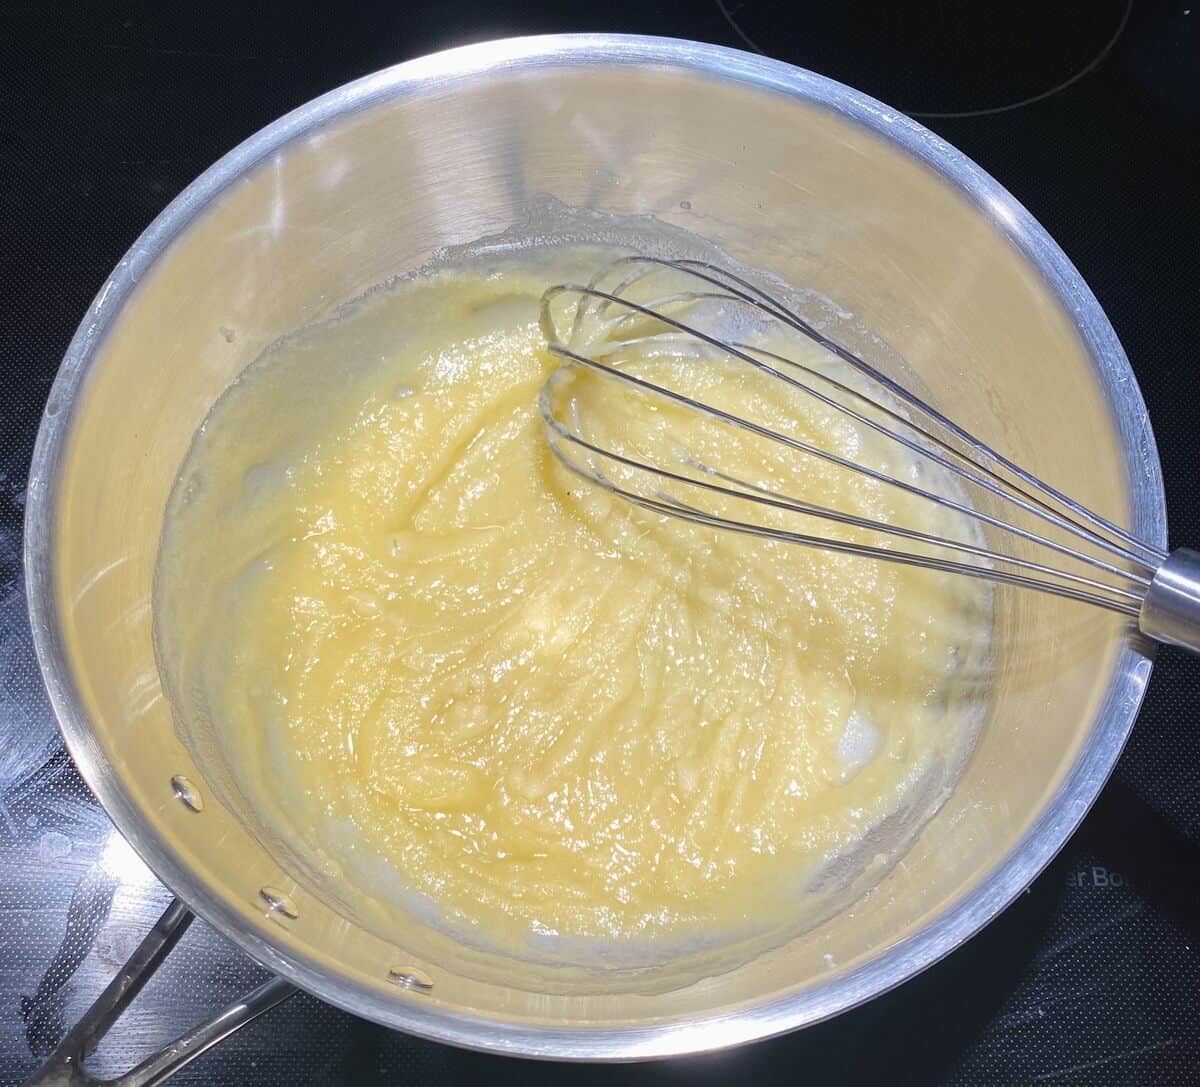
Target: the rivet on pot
(278, 902)
(409, 977)
(187, 793)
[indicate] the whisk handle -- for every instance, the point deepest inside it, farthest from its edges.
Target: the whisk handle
(1171, 608)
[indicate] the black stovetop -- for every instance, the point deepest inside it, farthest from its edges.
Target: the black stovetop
(1087, 110)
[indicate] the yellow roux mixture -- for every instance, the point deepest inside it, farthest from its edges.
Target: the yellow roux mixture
(426, 648)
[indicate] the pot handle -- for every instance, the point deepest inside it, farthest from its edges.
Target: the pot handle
(64, 1067)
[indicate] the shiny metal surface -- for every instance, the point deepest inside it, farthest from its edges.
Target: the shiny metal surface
(786, 171)
(1171, 611)
(607, 330)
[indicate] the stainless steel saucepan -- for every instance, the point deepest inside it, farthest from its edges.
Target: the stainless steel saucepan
(786, 171)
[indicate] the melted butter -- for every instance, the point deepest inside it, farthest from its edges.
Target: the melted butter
(419, 639)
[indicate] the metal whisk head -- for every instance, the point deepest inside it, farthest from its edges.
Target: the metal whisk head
(701, 325)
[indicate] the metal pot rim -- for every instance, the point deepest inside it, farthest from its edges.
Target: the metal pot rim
(1058, 819)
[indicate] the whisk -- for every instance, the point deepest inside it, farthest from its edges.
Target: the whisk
(1028, 534)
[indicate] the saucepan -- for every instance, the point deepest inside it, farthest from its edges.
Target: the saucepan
(788, 172)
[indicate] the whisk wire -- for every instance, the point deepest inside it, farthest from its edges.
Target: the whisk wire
(608, 355)
(755, 295)
(797, 506)
(765, 432)
(767, 497)
(674, 508)
(964, 466)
